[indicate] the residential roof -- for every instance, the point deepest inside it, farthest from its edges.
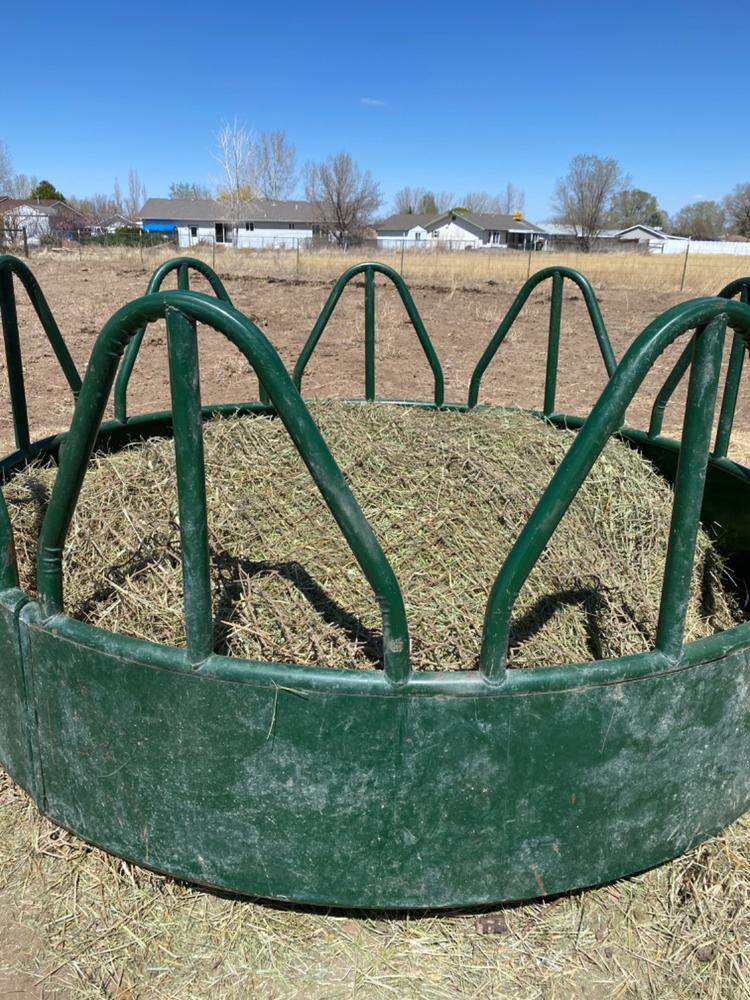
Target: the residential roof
(211, 210)
(657, 234)
(489, 220)
(45, 206)
(406, 220)
(565, 229)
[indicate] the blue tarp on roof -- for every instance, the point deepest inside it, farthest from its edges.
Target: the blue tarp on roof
(158, 226)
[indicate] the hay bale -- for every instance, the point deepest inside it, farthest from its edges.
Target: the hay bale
(446, 493)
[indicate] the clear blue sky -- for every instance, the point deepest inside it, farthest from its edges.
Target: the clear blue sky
(452, 96)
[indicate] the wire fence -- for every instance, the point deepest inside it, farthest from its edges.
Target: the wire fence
(447, 265)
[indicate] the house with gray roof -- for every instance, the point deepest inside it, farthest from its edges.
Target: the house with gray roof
(403, 226)
(457, 230)
(253, 224)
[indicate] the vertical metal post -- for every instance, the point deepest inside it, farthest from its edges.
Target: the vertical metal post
(140, 243)
(9, 318)
(213, 253)
(729, 399)
(298, 241)
(689, 483)
(402, 257)
(184, 381)
(528, 267)
(684, 265)
(25, 243)
(369, 334)
(553, 344)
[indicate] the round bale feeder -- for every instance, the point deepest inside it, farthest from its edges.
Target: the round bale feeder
(379, 788)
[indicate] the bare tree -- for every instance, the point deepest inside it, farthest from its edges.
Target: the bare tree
(407, 200)
(189, 189)
(345, 198)
(22, 185)
(737, 208)
(234, 154)
(510, 200)
(419, 200)
(275, 159)
(583, 197)
(136, 194)
(117, 196)
(6, 170)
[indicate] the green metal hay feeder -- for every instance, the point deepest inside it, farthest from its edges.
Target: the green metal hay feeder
(380, 788)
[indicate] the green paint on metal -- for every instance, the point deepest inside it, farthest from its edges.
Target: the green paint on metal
(10, 267)
(97, 384)
(184, 383)
(369, 335)
(558, 275)
(553, 344)
(369, 269)
(437, 789)
(605, 419)
(183, 266)
(740, 287)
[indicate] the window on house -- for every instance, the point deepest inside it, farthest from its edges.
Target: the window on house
(434, 232)
(223, 232)
(417, 236)
(291, 225)
(193, 231)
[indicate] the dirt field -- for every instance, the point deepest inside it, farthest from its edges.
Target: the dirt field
(76, 924)
(459, 318)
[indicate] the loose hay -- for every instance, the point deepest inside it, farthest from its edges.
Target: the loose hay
(446, 493)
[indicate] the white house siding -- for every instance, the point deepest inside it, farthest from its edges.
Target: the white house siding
(36, 223)
(706, 246)
(263, 234)
(393, 239)
(461, 233)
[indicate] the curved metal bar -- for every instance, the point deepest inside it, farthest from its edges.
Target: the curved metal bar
(192, 307)
(667, 390)
(183, 265)
(557, 274)
(741, 287)
(10, 266)
(709, 316)
(369, 269)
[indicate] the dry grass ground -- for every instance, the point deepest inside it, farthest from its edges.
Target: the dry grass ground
(704, 274)
(76, 923)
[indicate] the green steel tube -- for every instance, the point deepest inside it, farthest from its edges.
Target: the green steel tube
(741, 287)
(44, 314)
(8, 564)
(184, 382)
(97, 385)
(689, 482)
(411, 311)
(592, 305)
(605, 419)
(667, 390)
(182, 265)
(369, 335)
(553, 344)
(13, 360)
(729, 397)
